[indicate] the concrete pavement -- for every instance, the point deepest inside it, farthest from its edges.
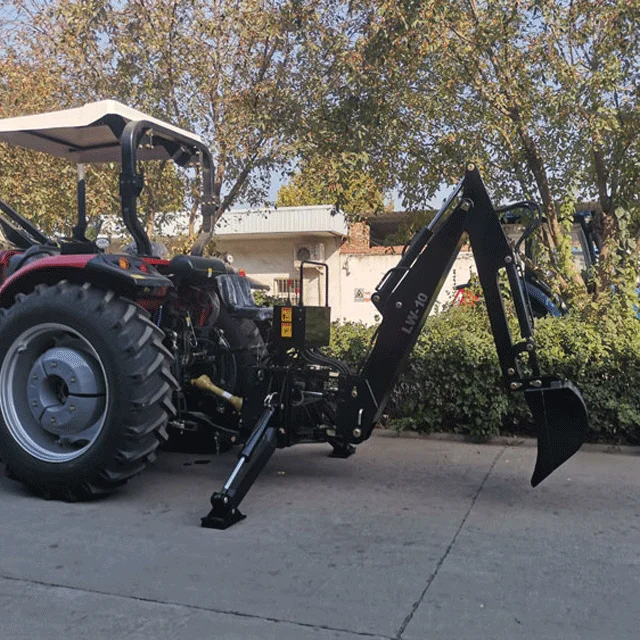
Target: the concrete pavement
(407, 539)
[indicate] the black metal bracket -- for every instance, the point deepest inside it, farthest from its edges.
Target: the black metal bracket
(341, 450)
(326, 280)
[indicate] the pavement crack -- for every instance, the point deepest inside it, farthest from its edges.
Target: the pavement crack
(193, 607)
(447, 551)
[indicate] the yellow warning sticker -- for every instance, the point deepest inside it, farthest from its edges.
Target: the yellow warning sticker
(286, 314)
(286, 330)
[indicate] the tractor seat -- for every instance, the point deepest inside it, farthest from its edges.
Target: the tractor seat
(196, 270)
(235, 291)
(37, 252)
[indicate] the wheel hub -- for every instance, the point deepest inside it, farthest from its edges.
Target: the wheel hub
(65, 392)
(54, 392)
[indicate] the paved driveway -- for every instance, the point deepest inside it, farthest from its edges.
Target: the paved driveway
(408, 539)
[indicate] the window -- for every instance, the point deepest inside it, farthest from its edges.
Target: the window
(286, 288)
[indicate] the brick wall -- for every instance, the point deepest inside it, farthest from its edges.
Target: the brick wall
(359, 242)
(359, 237)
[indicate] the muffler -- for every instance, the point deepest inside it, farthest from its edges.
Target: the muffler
(561, 420)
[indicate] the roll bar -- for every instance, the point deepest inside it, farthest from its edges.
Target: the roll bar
(182, 151)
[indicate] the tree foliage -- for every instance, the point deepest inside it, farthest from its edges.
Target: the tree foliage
(453, 381)
(541, 94)
(43, 188)
(229, 70)
(357, 194)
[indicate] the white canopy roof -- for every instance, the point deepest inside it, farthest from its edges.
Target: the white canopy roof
(82, 134)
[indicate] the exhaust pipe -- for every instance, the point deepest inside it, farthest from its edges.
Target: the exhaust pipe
(204, 383)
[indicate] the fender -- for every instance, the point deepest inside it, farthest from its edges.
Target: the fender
(132, 276)
(4, 260)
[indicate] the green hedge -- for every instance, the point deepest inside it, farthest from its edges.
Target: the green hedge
(453, 381)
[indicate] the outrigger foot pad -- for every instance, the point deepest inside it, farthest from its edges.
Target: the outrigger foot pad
(343, 451)
(222, 515)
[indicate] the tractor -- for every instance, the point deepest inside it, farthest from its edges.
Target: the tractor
(103, 355)
(584, 250)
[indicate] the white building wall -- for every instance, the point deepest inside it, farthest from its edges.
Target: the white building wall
(360, 273)
(266, 259)
(352, 277)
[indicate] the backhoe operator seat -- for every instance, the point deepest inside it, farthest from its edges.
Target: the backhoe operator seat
(235, 291)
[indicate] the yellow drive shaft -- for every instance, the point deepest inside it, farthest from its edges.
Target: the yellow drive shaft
(204, 383)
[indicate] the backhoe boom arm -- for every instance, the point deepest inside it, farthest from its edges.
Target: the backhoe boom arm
(406, 296)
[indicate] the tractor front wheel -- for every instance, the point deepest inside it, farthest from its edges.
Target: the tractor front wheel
(85, 391)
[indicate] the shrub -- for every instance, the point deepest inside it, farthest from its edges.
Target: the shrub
(453, 381)
(263, 299)
(603, 359)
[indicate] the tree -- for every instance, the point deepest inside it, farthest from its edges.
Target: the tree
(540, 94)
(323, 183)
(553, 81)
(226, 69)
(37, 186)
(44, 188)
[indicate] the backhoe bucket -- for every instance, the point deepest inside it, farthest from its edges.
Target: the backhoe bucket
(560, 415)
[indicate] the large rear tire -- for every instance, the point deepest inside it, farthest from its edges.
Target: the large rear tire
(85, 391)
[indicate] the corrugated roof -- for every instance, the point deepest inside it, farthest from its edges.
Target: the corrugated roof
(307, 220)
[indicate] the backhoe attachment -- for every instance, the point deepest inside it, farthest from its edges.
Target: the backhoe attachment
(405, 297)
(311, 397)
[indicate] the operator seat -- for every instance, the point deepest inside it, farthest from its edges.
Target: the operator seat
(235, 291)
(196, 269)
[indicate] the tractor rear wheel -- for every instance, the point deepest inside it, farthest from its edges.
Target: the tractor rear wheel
(85, 391)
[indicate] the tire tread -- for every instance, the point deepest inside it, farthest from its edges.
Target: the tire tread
(150, 406)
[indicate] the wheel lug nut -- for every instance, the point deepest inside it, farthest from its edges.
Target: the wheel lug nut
(53, 420)
(53, 365)
(34, 403)
(73, 379)
(35, 376)
(72, 407)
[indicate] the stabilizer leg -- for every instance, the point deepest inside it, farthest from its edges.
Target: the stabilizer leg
(253, 457)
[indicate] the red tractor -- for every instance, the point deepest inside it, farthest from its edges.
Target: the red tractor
(89, 381)
(101, 355)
